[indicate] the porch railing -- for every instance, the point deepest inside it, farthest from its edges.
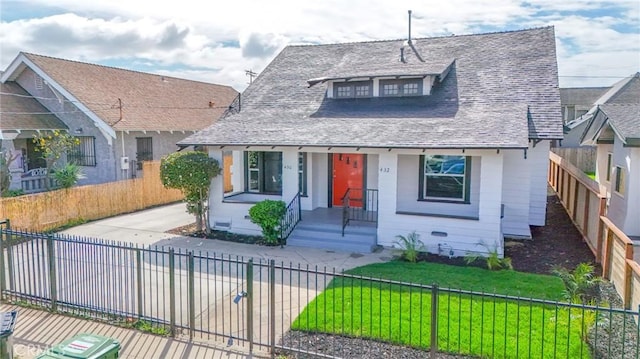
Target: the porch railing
(359, 205)
(35, 180)
(291, 217)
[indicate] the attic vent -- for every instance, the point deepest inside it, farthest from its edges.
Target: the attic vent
(38, 82)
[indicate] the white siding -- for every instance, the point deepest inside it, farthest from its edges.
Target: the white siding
(372, 171)
(319, 182)
(601, 165)
(632, 224)
(624, 210)
(538, 156)
(515, 194)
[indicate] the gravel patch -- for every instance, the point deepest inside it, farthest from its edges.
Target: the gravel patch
(616, 335)
(352, 348)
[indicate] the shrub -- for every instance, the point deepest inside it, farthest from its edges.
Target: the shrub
(68, 175)
(493, 260)
(268, 214)
(411, 245)
(580, 285)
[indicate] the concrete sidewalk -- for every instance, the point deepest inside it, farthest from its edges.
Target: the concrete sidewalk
(148, 228)
(37, 330)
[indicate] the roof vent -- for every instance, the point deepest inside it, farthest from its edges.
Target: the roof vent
(409, 37)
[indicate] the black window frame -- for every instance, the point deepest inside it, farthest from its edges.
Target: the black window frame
(466, 187)
(144, 150)
(401, 83)
(83, 153)
(261, 170)
(352, 85)
(619, 186)
(609, 163)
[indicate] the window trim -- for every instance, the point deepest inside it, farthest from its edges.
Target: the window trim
(401, 83)
(260, 170)
(619, 185)
(83, 159)
(466, 185)
(609, 168)
(352, 86)
(148, 156)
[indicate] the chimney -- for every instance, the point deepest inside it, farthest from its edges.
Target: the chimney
(409, 39)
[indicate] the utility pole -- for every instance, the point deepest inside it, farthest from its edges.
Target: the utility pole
(251, 75)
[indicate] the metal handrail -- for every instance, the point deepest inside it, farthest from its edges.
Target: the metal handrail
(292, 215)
(345, 209)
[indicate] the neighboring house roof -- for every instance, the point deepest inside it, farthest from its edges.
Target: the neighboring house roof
(501, 90)
(20, 111)
(621, 92)
(585, 96)
(149, 102)
(621, 113)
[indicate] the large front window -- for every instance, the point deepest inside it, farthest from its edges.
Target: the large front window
(84, 152)
(444, 178)
(263, 172)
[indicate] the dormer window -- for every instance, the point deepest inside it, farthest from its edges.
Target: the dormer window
(402, 87)
(352, 89)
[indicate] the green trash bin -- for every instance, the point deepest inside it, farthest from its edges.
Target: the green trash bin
(84, 346)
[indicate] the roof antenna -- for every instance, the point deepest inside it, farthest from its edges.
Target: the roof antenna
(409, 39)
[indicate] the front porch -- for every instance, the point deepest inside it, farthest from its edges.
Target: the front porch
(322, 228)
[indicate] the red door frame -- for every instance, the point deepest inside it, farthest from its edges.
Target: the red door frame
(347, 170)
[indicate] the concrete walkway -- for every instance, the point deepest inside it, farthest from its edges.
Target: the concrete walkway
(36, 331)
(148, 228)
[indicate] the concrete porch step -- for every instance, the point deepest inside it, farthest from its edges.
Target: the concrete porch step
(356, 239)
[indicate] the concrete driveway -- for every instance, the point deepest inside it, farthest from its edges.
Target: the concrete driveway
(149, 227)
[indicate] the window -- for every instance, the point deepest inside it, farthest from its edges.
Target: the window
(444, 178)
(34, 156)
(84, 153)
(609, 159)
(144, 150)
(620, 180)
(352, 89)
(302, 173)
(263, 172)
(407, 87)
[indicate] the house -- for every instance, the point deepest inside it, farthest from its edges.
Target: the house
(615, 129)
(445, 136)
(121, 117)
(576, 103)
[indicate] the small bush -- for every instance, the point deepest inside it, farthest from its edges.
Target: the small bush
(580, 285)
(411, 245)
(12, 193)
(68, 175)
(493, 260)
(268, 214)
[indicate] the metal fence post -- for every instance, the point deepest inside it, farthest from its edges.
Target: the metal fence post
(51, 254)
(8, 238)
(272, 306)
(434, 320)
(3, 283)
(192, 297)
(250, 304)
(139, 280)
(172, 292)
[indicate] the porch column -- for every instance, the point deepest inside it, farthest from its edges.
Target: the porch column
(289, 174)
(216, 190)
(15, 169)
(491, 196)
(387, 184)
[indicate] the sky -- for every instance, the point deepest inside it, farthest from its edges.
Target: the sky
(598, 41)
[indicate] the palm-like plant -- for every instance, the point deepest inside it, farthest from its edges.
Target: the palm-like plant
(411, 245)
(580, 284)
(68, 175)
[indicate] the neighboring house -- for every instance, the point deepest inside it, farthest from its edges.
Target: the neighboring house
(447, 136)
(121, 117)
(615, 129)
(576, 102)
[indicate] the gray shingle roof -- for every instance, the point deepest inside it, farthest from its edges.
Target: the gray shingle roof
(481, 103)
(585, 96)
(624, 118)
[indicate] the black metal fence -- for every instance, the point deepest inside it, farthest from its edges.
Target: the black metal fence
(263, 306)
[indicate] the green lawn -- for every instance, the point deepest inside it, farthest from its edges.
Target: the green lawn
(591, 175)
(471, 325)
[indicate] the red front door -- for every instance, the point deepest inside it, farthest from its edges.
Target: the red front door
(348, 172)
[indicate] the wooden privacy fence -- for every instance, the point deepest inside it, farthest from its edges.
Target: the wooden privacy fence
(585, 201)
(47, 210)
(582, 157)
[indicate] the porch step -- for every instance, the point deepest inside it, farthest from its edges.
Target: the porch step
(357, 238)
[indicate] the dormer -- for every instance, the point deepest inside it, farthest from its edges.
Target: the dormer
(393, 81)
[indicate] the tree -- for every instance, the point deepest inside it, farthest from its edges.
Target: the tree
(191, 172)
(53, 145)
(6, 159)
